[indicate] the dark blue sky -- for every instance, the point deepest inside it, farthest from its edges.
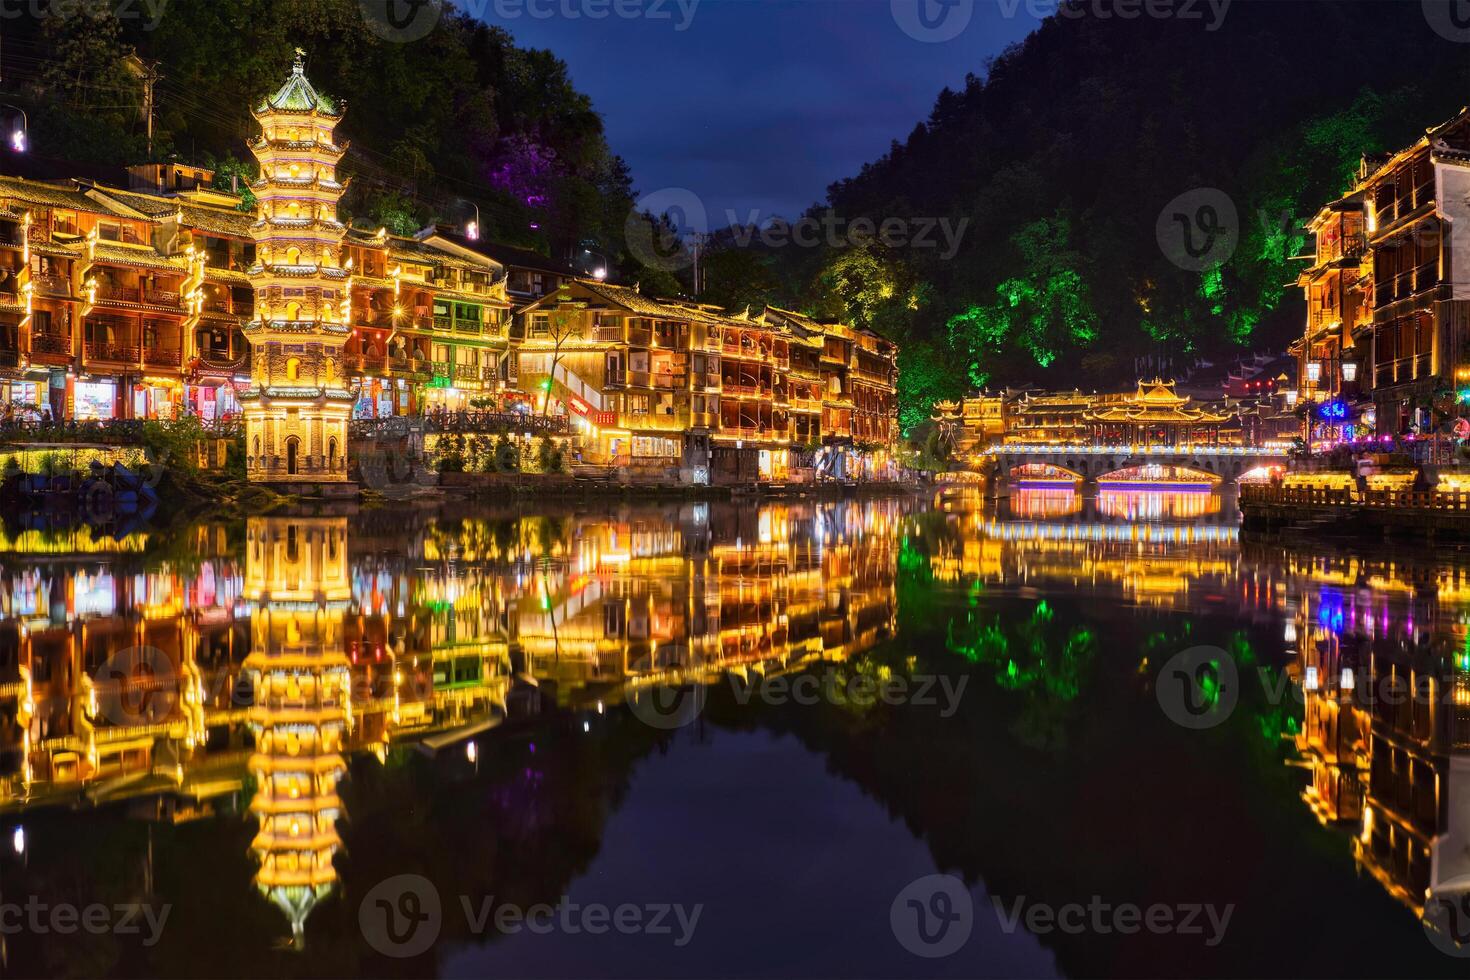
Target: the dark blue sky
(759, 104)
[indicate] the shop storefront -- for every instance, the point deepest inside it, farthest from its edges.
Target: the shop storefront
(212, 402)
(158, 398)
(380, 398)
(94, 400)
(23, 396)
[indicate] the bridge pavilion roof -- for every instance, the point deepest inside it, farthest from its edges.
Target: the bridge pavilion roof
(1154, 403)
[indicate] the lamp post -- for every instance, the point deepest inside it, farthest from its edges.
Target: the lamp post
(472, 229)
(18, 137)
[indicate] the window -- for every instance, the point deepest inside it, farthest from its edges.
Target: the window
(539, 327)
(637, 404)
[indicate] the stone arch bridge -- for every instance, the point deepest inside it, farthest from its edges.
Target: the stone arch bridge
(1090, 463)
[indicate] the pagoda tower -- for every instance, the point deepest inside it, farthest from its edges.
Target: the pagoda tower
(297, 584)
(297, 405)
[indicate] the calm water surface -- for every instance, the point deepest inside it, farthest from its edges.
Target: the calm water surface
(258, 727)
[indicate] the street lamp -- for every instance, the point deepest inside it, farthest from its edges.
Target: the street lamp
(18, 136)
(472, 230)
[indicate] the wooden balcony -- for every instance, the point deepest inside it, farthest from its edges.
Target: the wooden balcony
(51, 345)
(115, 353)
(52, 285)
(223, 360)
(162, 357)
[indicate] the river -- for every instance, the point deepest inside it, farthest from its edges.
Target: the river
(731, 739)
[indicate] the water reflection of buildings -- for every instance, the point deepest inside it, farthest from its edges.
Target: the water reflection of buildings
(1384, 663)
(280, 655)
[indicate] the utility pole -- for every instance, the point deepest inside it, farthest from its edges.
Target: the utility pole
(147, 72)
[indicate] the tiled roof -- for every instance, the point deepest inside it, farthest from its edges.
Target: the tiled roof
(143, 257)
(297, 95)
(218, 221)
(35, 193)
(151, 205)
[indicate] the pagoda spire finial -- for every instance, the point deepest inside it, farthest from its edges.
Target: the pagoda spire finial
(298, 67)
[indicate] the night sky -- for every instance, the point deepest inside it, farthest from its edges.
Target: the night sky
(760, 104)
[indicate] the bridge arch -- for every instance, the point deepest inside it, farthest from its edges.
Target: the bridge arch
(1039, 474)
(1162, 476)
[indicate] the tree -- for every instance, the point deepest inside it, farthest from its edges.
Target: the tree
(563, 323)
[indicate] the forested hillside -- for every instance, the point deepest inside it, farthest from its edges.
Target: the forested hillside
(459, 115)
(1060, 156)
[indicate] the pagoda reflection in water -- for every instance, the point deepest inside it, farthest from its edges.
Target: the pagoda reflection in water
(297, 586)
(278, 653)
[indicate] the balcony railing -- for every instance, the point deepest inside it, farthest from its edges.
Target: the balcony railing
(119, 353)
(52, 285)
(467, 372)
(223, 360)
(670, 381)
(161, 297)
(43, 343)
(117, 293)
(162, 357)
(605, 334)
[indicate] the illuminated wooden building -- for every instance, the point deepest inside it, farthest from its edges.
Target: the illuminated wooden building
(1401, 300)
(429, 325)
(974, 423)
(1338, 287)
(1041, 418)
(1156, 415)
(103, 296)
(298, 403)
